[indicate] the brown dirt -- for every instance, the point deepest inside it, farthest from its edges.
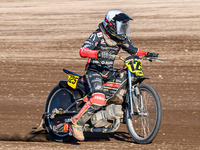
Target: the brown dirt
(39, 38)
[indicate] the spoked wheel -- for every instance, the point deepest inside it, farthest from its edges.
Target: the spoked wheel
(59, 99)
(143, 125)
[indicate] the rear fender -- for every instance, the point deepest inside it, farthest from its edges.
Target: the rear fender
(78, 93)
(63, 84)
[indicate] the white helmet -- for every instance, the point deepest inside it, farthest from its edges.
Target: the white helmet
(116, 24)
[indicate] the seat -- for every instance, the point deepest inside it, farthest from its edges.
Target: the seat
(70, 72)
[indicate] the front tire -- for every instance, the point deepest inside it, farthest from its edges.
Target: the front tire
(58, 98)
(143, 126)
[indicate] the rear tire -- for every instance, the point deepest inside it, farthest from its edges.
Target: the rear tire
(58, 98)
(143, 127)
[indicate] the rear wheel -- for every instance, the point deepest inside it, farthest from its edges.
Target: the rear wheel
(59, 99)
(144, 125)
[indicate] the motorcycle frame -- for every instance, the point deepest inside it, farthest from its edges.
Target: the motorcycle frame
(129, 87)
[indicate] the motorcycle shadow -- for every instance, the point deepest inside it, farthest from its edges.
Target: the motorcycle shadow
(89, 137)
(118, 136)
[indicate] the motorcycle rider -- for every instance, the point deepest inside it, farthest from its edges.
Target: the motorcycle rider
(102, 44)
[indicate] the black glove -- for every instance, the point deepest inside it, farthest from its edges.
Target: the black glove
(104, 54)
(151, 54)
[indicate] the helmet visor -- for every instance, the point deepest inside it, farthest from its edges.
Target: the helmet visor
(123, 28)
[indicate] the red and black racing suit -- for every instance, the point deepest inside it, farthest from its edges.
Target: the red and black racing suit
(97, 70)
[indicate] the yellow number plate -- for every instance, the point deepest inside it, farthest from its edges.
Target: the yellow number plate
(72, 80)
(135, 66)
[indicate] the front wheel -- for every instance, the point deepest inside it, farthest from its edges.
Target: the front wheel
(143, 125)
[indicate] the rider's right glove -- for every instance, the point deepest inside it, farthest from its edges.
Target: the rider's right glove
(151, 54)
(104, 55)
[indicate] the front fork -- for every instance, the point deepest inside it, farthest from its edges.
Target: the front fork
(133, 95)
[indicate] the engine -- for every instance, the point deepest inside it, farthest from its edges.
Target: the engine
(104, 118)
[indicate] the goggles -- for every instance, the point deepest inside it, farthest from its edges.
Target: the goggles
(123, 28)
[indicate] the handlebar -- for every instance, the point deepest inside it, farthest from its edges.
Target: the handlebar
(154, 59)
(142, 57)
(117, 56)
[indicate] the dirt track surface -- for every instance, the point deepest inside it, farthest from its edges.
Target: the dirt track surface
(39, 38)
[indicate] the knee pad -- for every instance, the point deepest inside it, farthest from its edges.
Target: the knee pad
(98, 99)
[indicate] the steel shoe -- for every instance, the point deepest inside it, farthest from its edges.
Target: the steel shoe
(77, 132)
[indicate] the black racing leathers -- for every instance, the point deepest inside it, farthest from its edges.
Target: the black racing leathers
(100, 40)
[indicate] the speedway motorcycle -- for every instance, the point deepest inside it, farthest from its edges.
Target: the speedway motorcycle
(128, 101)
